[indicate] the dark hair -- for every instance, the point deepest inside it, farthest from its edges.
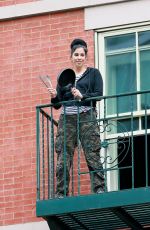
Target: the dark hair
(77, 43)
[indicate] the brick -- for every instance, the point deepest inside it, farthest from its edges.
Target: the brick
(30, 47)
(7, 2)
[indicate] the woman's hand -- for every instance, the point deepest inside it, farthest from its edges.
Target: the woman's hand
(52, 92)
(76, 93)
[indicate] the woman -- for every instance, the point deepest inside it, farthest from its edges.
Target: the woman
(88, 83)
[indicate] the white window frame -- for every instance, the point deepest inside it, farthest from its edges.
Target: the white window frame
(112, 176)
(100, 59)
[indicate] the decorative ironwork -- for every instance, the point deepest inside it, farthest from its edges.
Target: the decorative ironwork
(121, 140)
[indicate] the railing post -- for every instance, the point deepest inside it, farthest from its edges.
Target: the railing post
(146, 143)
(65, 153)
(51, 156)
(38, 151)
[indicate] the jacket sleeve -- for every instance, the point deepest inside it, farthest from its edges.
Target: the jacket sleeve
(55, 101)
(96, 85)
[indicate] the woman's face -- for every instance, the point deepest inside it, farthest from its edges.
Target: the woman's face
(78, 58)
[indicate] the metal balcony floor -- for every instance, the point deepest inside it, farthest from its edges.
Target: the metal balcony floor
(113, 210)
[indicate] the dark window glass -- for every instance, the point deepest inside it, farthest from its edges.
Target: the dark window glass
(144, 38)
(120, 42)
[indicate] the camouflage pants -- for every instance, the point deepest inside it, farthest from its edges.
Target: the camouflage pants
(66, 142)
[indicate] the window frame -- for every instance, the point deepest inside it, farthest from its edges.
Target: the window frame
(100, 62)
(113, 176)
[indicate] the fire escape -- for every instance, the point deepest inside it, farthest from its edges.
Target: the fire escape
(125, 154)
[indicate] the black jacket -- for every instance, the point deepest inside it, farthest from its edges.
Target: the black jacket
(89, 85)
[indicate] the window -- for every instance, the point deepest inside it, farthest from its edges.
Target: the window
(125, 56)
(124, 60)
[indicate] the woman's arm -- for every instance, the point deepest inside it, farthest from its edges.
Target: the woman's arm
(55, 97)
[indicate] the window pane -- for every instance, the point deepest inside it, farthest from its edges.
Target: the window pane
(120, 42)
(129, 125)
(146, 122)
(145, 77)
(144, 38)
(121, 78)
(123, 126)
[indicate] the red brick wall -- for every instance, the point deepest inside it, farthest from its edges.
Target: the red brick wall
(13, 2)
(28, 47)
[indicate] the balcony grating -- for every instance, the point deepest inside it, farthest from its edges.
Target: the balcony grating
(141, 213)
(91, 220)
(105, 218)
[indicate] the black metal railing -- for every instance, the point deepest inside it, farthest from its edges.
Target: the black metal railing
(124, 124)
